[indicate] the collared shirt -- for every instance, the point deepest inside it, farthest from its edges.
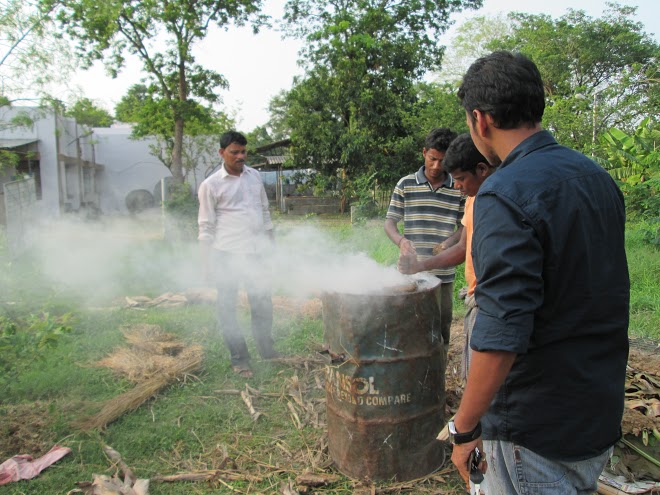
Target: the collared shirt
(553, 287)
(429, 216)
(233, 211)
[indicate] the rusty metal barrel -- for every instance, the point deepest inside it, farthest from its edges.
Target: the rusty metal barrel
(385, 385)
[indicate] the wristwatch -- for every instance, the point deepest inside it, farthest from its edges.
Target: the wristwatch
(457, 438)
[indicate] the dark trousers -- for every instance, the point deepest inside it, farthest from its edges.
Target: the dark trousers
(232, 271)
(444, 295)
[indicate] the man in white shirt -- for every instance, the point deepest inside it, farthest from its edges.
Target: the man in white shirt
(235, 233)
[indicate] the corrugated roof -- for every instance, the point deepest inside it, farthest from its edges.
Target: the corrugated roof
(276, 160)
(15, 143)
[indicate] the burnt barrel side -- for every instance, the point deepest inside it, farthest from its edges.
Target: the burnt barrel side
(385, 388)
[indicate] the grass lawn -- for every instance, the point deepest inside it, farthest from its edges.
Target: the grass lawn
(55, 333)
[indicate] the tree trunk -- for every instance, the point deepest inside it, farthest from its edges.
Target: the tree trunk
(177, 169)
(177, 149)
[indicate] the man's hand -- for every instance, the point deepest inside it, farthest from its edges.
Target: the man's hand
(409, 264)
(406, 247)
(461, 458)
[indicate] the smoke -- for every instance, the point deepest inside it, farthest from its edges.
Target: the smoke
(114, 257)
(307, 261)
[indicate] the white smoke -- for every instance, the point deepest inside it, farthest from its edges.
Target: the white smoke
(120, 256)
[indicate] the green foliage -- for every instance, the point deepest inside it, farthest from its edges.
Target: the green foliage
(139, 27)
(644, 266)
(32, 54)
(598, 73)
(24, 340)
(181, 201)
(634, 160)
(152, 117)
(182, 207)
(363, 58)
(87, 113)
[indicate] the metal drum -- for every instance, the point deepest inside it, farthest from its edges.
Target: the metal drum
(385, 386)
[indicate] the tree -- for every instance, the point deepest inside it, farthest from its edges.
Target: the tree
(471, 41)
(363, 59)
(634, 160)
(28, 52)
(141, 28)
(150, 115)
(87, 113)
(31, 54)
(598, 73)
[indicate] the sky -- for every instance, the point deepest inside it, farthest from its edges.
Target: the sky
(258, 67)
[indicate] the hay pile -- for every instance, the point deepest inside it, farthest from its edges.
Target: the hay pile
(153, 361)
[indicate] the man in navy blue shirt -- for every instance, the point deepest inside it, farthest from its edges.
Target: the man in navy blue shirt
(545, 391)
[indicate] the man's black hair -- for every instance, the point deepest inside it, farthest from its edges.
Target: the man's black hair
(507, 86)
(439, 139)
(232, 137)
(463, 155)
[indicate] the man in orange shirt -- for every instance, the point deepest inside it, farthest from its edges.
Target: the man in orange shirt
(469, 169)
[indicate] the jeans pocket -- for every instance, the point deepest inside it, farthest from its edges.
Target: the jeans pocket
(538, 475)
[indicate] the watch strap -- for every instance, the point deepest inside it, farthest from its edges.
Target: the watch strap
(459, 438)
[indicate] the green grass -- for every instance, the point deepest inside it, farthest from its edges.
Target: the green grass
(644, 266)
(190, 425)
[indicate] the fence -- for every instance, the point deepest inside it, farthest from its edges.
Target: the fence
(20, 211)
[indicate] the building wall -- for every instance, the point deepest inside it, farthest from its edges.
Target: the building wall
(43, 130)
(128, 166)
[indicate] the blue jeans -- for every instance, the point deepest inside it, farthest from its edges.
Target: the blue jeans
(515, 470)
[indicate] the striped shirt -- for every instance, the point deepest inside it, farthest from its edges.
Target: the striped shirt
(429, 217)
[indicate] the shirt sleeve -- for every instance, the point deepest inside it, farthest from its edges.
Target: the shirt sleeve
(508, 261)
(268, 224)
(397, 203)
(206, 216)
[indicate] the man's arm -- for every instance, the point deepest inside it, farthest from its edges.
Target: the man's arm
(488, 371)
(455, 255)
(508, 260)
(206, 222)
(406, 247)
(454, 238)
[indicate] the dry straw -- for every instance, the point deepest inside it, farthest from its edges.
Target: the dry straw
(154, 360)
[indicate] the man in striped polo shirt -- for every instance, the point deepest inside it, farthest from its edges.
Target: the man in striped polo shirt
(431, 210)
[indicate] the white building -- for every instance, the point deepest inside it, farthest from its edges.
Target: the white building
(75, 168)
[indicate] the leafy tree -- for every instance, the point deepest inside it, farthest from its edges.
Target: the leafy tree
(363, 59)
(87, 113)
(150, 116)
(32, 55)
(599, 73)
(436, 105)
(29, 52)
(472, 40)
(128, 108)
(634, 160)
(140, 27)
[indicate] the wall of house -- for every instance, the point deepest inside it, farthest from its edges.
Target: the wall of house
(128, 166)
(43, 130)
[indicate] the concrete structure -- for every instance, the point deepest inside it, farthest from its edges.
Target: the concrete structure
(75, 168)
(58, 153)
(128, 165)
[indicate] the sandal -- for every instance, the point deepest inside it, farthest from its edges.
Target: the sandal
(242, 370)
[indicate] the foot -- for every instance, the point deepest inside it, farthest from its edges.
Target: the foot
(243, 370)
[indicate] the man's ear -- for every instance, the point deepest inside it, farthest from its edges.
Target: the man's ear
(482, 169)
(481, 122)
